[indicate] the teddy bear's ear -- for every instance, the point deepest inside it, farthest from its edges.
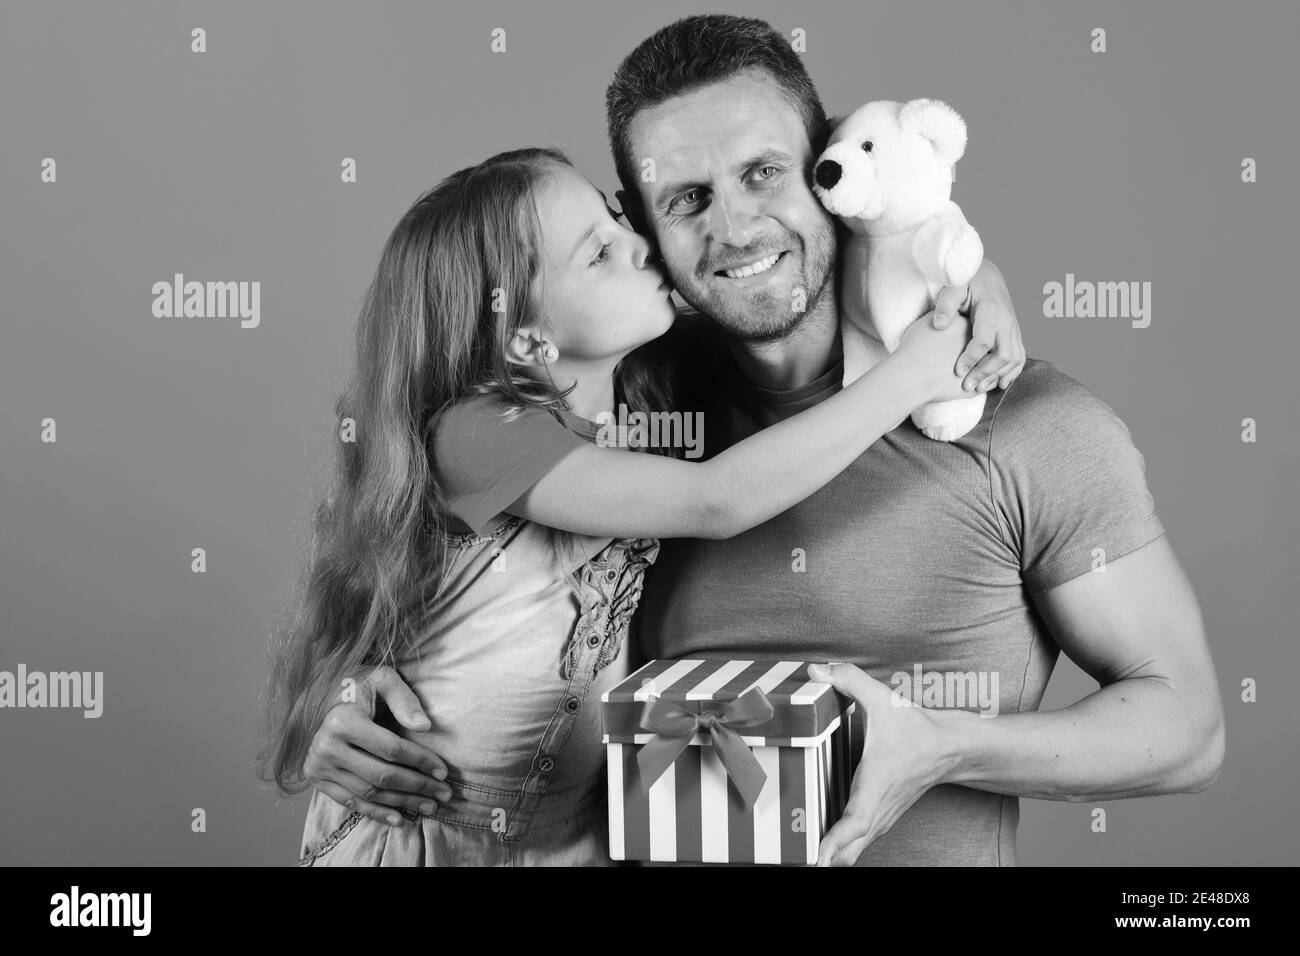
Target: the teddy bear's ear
(939, 123)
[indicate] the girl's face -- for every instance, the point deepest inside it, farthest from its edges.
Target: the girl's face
(601, 294)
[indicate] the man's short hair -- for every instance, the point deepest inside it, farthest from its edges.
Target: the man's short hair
(694, 52)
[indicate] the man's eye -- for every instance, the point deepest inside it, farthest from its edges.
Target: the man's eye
(769, 170)
(691, 197)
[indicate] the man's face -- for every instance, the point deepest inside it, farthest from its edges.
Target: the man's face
(731, 192)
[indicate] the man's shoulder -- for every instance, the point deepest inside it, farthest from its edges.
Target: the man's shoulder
(1045, 405)
(1051, 437)
(1067, 478)
(1040, 387)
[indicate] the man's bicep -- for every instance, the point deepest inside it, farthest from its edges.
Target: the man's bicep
(1136, 616)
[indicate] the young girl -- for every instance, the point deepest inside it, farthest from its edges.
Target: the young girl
(484, 543)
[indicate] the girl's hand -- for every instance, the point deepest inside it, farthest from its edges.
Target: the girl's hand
(996, 353)
(932, 354)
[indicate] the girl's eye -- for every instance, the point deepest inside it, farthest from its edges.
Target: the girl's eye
(602, 254)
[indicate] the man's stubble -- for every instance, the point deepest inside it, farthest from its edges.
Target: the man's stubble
(775, 318)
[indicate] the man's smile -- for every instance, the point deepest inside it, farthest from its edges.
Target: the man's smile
(753, 267)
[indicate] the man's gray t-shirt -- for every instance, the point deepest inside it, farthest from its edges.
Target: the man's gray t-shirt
(920, 553)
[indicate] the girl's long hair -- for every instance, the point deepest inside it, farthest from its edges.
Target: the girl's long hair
(451, 288)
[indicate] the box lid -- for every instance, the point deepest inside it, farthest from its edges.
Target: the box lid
(802, 709)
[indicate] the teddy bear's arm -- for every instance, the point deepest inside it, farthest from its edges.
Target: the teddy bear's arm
(947, 249)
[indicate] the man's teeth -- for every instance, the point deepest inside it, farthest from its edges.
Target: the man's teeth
(753, 269)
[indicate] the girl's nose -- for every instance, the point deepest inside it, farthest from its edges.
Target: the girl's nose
(643, 254)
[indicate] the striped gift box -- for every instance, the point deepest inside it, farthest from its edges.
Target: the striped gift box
(694, 810)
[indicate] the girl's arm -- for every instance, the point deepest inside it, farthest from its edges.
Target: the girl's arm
(610, 492)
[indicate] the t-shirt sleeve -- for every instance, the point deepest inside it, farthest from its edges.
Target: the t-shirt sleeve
(486, 460)
(1068, 482)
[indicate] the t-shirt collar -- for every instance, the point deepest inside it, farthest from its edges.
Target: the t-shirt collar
(776, 404)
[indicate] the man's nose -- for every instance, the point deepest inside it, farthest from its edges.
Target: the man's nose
(734, 221)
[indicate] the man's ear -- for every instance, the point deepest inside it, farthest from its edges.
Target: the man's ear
(824, 141)
(939, 123)
(630, 204)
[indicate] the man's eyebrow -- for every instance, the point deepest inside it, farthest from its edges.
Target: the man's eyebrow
(770, 154)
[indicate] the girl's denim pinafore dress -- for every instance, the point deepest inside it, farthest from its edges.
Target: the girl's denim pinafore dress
(528, 630)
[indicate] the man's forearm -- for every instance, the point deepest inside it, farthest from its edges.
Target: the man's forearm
(1136, 737)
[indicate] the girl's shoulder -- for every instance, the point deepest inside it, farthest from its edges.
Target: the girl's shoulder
(489, 416)
(471, 411)
(486, 453)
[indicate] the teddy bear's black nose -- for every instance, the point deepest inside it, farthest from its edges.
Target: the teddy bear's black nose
(827, 173)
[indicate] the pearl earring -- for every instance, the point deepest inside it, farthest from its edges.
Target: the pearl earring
(550, 353)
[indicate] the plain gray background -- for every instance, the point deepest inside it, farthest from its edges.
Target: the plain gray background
(183, 433)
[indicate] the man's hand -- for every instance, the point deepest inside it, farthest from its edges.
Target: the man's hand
(902, 758)
(996, 354)
(1154, 726)
(357, 763)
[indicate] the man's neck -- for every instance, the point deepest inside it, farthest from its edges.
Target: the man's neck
(811, 348)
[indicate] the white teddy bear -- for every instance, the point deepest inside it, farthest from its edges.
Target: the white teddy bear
(887, 174)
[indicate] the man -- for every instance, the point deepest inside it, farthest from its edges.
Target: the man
(927, 567)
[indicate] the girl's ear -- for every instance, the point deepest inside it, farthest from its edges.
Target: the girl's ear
(527, 347)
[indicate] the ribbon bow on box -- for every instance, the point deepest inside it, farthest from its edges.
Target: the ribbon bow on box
(674, 726)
